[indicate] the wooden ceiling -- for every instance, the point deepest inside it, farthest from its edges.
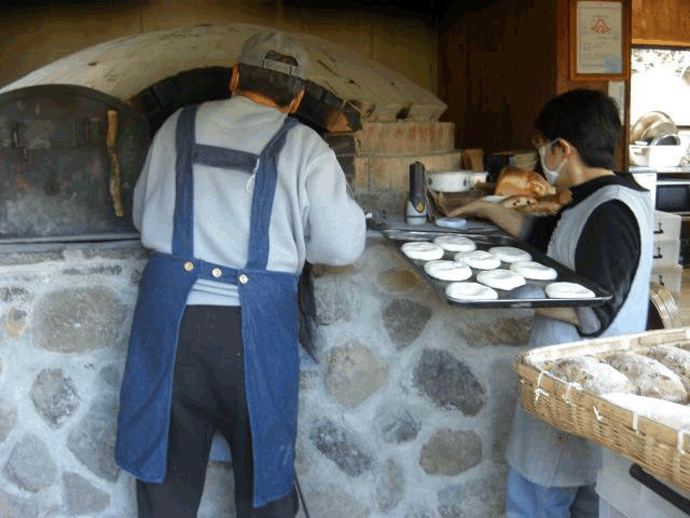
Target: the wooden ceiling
(431, 11)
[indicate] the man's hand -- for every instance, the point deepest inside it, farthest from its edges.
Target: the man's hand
(478, 208)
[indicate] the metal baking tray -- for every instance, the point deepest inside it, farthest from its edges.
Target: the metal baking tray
(506, 299)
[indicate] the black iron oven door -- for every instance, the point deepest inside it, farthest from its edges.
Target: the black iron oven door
(69, 160)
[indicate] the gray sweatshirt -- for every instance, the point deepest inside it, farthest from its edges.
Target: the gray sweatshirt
(313, 219)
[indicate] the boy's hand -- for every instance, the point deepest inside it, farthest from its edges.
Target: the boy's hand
(476, 208)
(564, 314)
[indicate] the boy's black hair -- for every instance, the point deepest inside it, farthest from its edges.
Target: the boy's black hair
(589, 120)
(280, 88)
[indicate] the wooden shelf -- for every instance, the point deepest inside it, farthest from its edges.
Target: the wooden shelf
(661, 23)
(660, 43)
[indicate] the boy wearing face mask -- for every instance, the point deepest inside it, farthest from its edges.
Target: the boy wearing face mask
(604, 234)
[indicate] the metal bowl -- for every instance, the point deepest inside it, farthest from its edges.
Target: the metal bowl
(652, 125)
(665, 140)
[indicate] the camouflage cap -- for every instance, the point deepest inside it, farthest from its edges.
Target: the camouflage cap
(257, 47)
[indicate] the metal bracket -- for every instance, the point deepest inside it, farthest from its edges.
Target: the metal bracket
(16, 144)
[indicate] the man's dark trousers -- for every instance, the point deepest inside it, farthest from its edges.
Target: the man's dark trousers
(208, 395)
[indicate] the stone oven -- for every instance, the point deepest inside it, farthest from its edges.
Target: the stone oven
(406, 409)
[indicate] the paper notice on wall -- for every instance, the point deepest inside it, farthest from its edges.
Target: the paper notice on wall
(617, 92)
(599, 38)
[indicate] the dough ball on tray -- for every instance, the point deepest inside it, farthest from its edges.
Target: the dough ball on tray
(454, 243)
(510, 254)
(479, 259)
(464, 291)
(501, 279)
(534, 270)
(447, 270)
(568, 290)
(422, 250)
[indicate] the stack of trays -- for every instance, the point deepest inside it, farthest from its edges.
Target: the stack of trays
(493, 271)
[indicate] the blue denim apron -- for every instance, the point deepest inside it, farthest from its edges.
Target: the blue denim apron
(268, 300)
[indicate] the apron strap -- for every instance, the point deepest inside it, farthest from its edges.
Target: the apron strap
(262, 200)
(183, 219)
(214, 156)
(266, 175)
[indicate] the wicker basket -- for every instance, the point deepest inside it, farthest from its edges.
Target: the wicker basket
(659, 449)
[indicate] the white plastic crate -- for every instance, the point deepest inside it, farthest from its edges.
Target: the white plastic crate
(666, 253)
(666, 226)
(669, 276)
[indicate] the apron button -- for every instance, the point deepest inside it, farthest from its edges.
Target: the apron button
(188, 266)
(244, 279)
(216, 272)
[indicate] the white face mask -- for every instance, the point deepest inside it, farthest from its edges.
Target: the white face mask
(550, 174)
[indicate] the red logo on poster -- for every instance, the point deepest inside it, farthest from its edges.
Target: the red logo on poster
(601, 27)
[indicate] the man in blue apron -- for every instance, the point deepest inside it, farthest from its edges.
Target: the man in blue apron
(234, 197)
(605, 234)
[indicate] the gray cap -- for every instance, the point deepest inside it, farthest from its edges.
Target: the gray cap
(257, 46)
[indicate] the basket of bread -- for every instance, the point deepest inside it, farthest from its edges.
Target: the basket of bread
(629, 394)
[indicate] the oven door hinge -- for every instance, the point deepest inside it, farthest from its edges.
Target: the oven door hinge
(22, 152)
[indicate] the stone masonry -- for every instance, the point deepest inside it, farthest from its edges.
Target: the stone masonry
(405, 414)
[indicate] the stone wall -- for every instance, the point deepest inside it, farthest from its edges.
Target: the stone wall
(65, 317)
(406, 413)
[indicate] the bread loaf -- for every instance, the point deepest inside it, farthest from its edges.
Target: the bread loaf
(518, 201)
(671, 414)
(541, 208)
(651, 378)
(593, 375)
(512, 181)
(548, 204)
(678, 360)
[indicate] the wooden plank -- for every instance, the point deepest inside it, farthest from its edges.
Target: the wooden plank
(499, 68)
(453, 71)
(660, 43)
(664, 22)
